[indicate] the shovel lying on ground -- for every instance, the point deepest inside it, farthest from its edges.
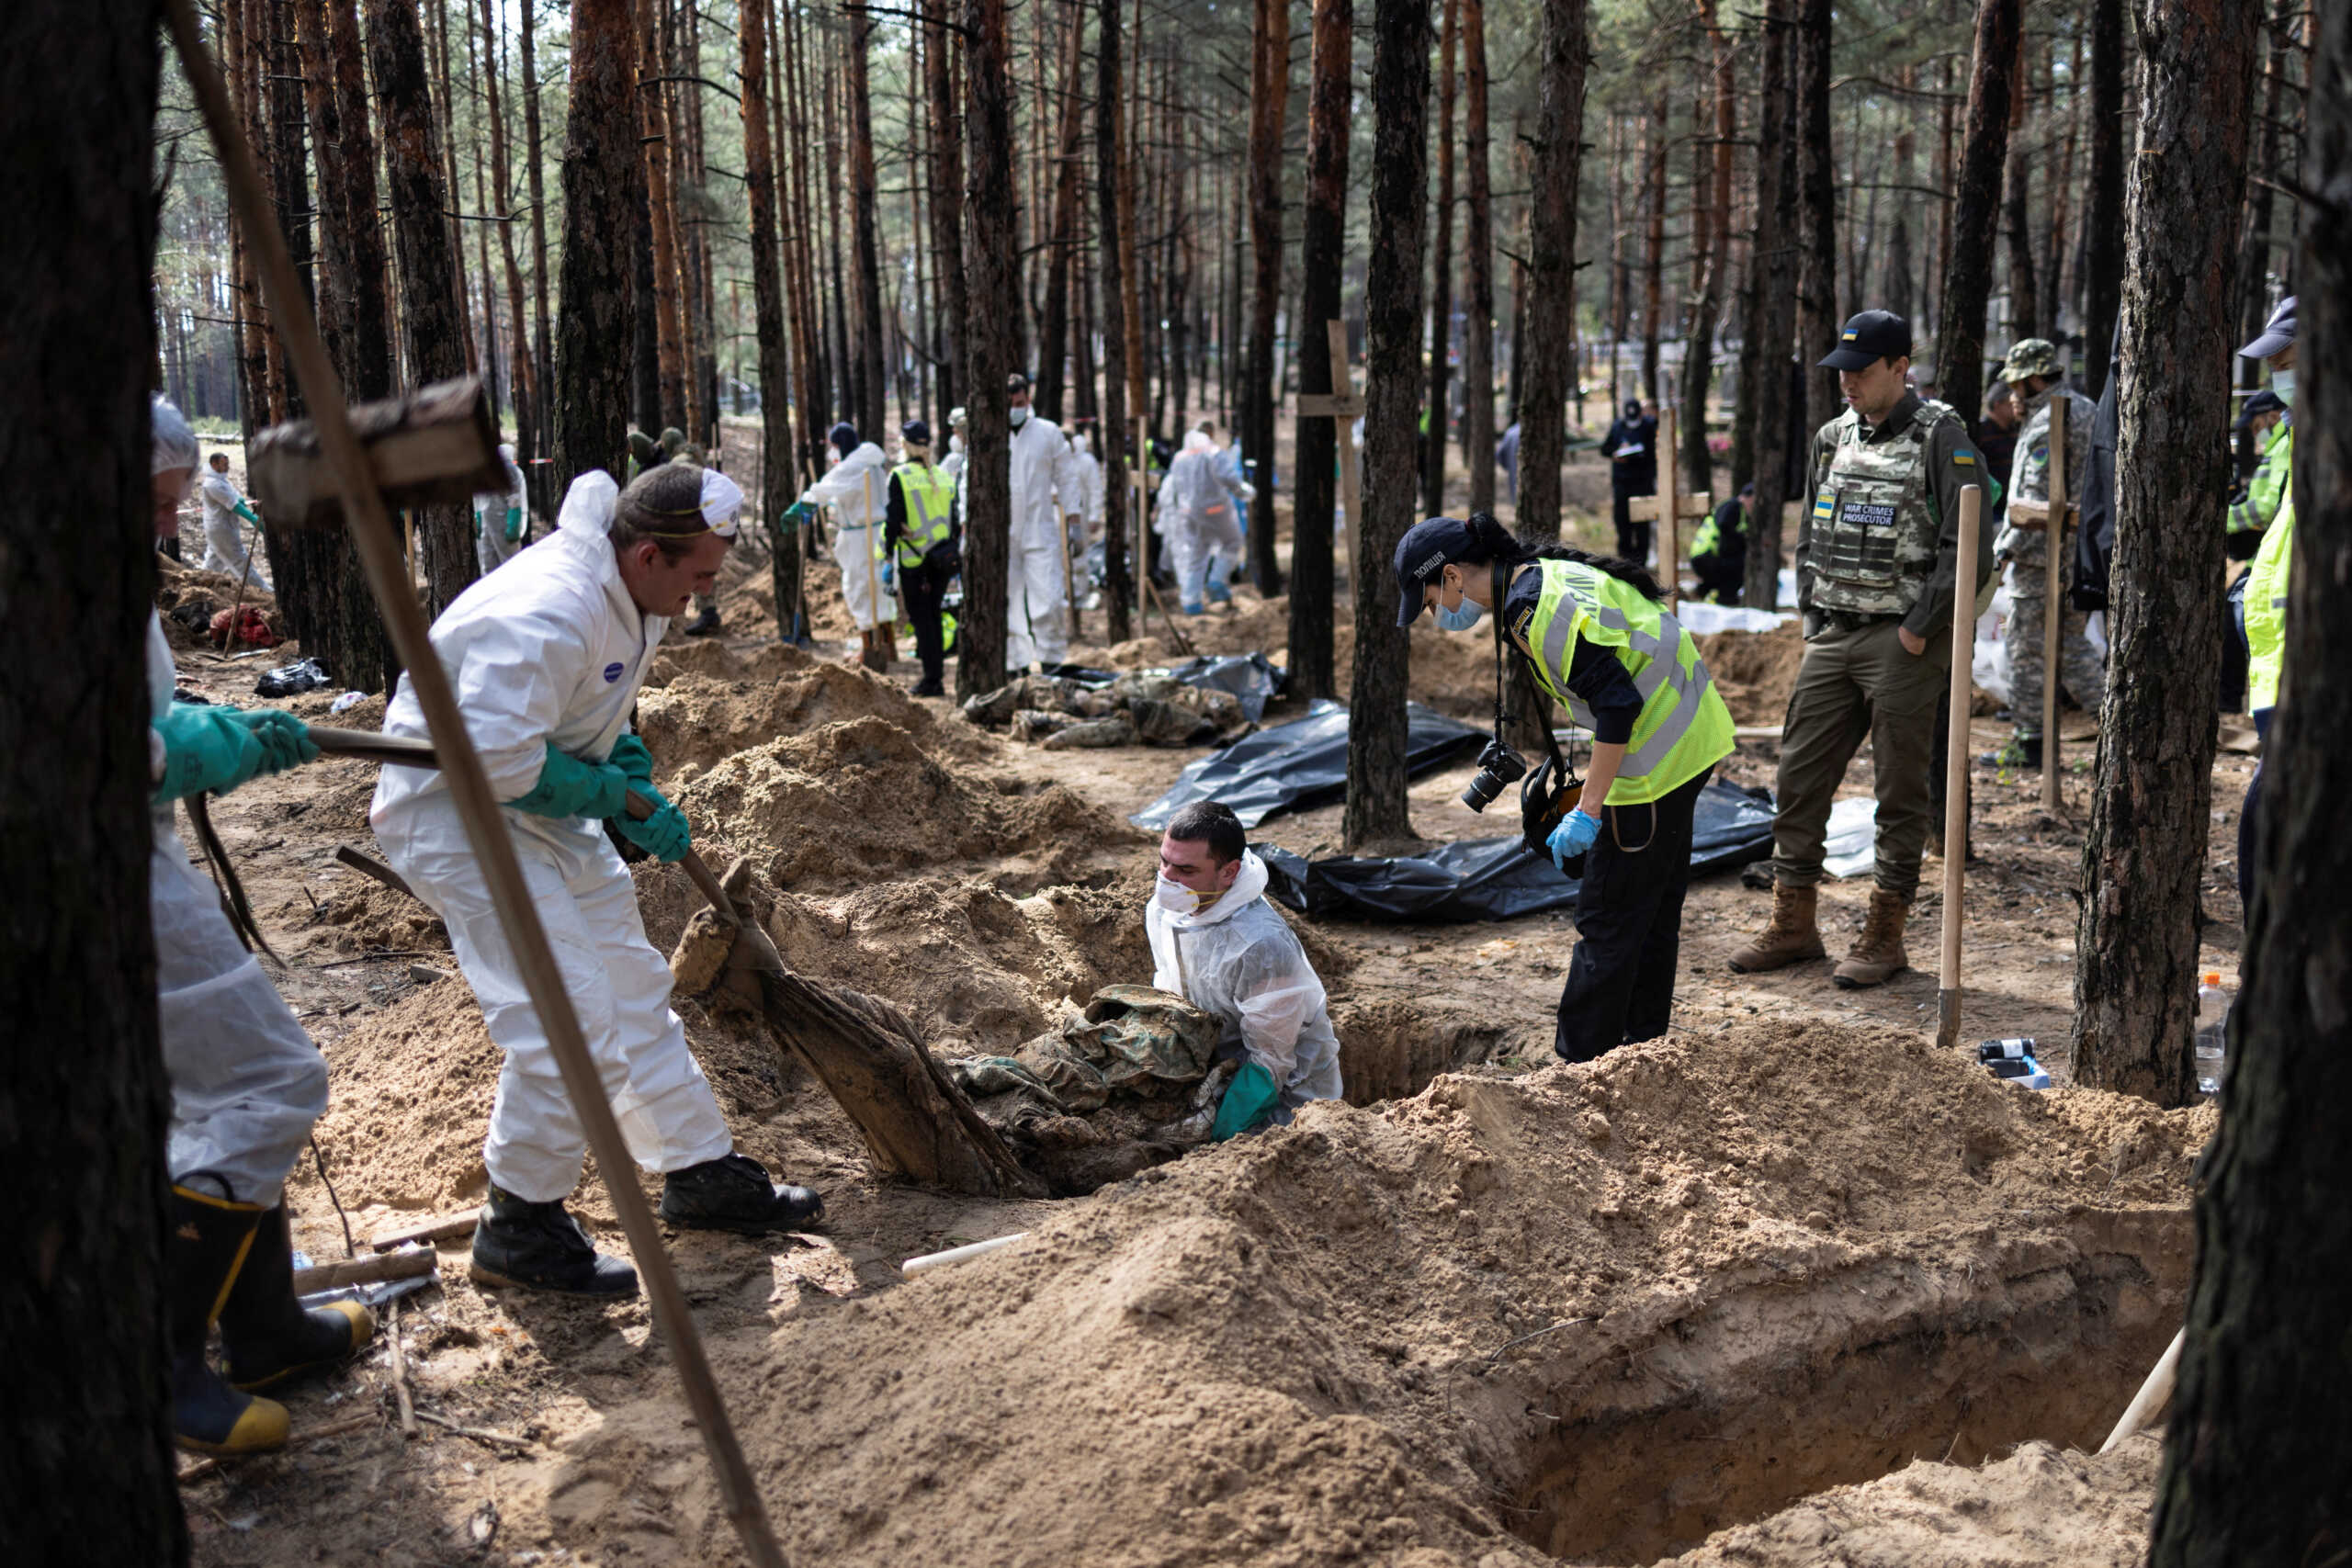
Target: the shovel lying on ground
(867, 1053)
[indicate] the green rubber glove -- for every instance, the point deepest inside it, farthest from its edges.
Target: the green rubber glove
(513, 524)
(285, 739)
(246, 512)
(664, 835)
(631, 756)
(569, 787)
(1248, 1100)
(205, 749)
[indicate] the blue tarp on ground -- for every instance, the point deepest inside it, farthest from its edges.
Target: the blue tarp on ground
(1301, 764)
(1495, 879)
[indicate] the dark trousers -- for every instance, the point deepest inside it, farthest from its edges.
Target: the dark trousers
(2248, 815)
(1632, 538)
(921, 590)
(1628, 924)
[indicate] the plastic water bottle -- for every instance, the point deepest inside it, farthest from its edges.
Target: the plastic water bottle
(2213, 1034)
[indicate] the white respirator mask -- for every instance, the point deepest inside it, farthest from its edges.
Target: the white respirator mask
(1019, 413)
(1178, 899)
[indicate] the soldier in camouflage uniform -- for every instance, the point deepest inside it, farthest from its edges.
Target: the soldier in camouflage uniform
(2034, 368)
(1877, 558)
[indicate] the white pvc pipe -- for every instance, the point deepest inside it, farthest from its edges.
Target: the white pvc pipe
(2153, 1394)
(929, 1260)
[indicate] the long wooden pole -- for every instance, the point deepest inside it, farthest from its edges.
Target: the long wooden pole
(1344, 380)
(478, 807)
(1669, 509)
(1963, 636)
(2052, 606)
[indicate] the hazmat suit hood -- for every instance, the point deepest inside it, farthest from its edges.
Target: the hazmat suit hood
(1248, 884)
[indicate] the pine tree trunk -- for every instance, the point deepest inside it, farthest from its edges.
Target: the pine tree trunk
(2144, 857)
(1817, 320)
(1960, 346)
(2017, 190)
(89, 1468)
(1111, 249)
(777, 490)
(1478, 326)
(526, 391)
(948, 205)
(431, 329)
(863, 200)
(669, 331)
(1269, 102)
(1554, 161)
(1054, 340)
(2103, 195)
(2262, 1415)
(1698, 362)
(1400, 102)
(1440, 338)
(537, 475)
(1654, 139)
(1321, 254)
(604, 181)
(994, 280)
(1765, 398)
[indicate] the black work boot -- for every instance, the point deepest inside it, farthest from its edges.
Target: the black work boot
(539, 1247)
(703, 624)
(2021, 754)
(733, 1193)
(202, 1255)
(267, 1336)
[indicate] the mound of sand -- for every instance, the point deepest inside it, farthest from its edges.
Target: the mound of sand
(861, 800)
(1452, 673)
(1598, 1312)
(695, 721)
(1755, 671)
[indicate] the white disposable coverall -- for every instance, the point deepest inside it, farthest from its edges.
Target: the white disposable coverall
(1240, 960)
(1196, 516)
(225, 548)
(550, 648)
(246, 1081)
(1045, 489)
(1089, 481)
(858, 489)
(492, 548)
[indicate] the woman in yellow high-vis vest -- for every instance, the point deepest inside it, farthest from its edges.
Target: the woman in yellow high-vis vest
(1595, 634)
(921, 548)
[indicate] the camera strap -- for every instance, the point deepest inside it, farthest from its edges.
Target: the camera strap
(1499, 583)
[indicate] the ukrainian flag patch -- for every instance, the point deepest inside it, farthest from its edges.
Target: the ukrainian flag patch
(1964, 459)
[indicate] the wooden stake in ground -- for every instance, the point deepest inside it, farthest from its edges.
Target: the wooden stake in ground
(1342, 406)
(1667, 508)
(1963, 628)
(469, 789)
(2053, 603)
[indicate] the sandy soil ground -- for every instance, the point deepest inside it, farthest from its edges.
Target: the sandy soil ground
(1788, 1286)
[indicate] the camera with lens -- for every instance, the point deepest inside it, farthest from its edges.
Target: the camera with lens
(1499, 766)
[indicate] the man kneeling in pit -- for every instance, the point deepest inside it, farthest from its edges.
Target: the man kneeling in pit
(1216, 943)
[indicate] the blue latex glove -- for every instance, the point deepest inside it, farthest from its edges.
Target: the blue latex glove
(569, 787)
(1576, 834)
(889, 576)
(205, 749)
(285, 739)
(513, 524)
(799, 511)
(1248, 1100)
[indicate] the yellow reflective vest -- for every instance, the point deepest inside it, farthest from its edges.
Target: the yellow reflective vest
(930, 494)
(1684, 729)
(2266, 588)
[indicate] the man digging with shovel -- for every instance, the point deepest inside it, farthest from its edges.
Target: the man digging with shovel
(547, 655)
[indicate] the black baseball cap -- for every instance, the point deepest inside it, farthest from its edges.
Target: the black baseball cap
(915, 433)
(1868, 338)
(2262, 402)
(1424, 551)
(2277, 332)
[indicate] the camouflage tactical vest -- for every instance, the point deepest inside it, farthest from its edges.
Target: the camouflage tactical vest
(1874, 522)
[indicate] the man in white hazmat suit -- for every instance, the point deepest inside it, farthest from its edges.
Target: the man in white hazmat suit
(1196, 517)
(1046, 496)
(1216, 943)
(501, 517)
(858, 489)
(547, 655)
(246, 1082)
(225, 547)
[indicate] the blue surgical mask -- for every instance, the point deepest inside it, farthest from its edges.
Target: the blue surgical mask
(1019, 413)
(2283, 383)
(1462, 618)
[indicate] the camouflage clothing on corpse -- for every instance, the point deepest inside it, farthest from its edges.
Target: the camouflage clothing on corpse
(1879, 539)
(1132, 1040)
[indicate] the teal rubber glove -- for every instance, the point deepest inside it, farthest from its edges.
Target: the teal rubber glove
(1576, 833)
(513, 524)
(205, 749)
(246, 512)
(799, 511)
(1248, 1100)
(284, 741)
(631, 756)
(664, 835)
(569, 787)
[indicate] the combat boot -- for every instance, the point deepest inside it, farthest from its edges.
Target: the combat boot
(203, 1253)
(1877, 957)
(267, 1336)
(1791, 937)
(539, 1247)
(703, 624)
(733, 1193)
(2019, 753)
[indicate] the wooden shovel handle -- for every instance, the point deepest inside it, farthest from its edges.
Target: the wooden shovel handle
(401, 751)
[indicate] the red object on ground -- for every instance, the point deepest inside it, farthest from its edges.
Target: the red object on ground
(252, 629)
